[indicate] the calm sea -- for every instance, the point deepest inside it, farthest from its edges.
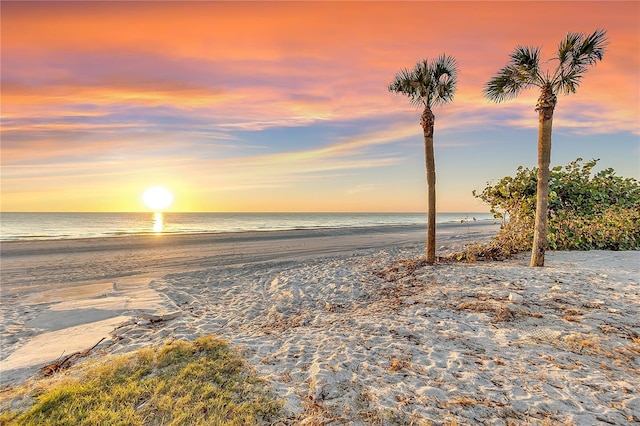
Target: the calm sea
(32, 226)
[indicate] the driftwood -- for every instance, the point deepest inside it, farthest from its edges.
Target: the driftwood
(64, 363)
(159, 318)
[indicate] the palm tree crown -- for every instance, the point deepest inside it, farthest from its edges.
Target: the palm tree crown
(576, 52)
(429, 83)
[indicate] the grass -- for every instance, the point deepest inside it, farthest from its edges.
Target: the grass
(198, 383)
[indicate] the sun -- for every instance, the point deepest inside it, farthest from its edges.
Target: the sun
(157, 198)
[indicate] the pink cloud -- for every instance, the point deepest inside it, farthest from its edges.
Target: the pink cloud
(273, 58)
(104, 79)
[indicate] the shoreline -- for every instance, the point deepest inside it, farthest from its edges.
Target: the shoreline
(56, 226)
(159, 253)
(349, 321)
(254, 233)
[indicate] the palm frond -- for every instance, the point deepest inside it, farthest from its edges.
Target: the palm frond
(591, 49)
(445, 65)
(445, 78)
(567, 47)
(527, 60)
(577, 52)
(423, 81)
(503, 85)
(429, 82)
(569, 82)
(404, 83)
(580, 49)
(522, 71)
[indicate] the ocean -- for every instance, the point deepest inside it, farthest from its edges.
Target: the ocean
(39, 226)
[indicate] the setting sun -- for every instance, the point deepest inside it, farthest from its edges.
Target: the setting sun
(157, 198)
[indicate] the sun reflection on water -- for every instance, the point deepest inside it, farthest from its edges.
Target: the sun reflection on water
(157, 222)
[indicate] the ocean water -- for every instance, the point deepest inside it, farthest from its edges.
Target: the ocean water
(38, 226)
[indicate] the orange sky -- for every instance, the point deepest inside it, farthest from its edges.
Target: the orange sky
(278, 106)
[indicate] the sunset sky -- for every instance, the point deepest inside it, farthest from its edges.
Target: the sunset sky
(278, 106)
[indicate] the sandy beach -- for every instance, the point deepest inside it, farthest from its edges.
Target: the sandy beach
(346, 324)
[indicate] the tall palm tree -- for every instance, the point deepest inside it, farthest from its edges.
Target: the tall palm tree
(576, 53)
(430, 83)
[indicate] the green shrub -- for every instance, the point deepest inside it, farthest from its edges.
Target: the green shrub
(586, 210)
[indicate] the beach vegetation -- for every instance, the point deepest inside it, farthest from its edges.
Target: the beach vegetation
(198, 383)
(428, 84)
(587, 210)
(576, 53)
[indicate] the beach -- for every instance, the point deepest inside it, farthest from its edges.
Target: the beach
(347, 325)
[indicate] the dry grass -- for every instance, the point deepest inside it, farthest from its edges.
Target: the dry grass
(197, 383)
(584, 343)
(401, 269)
(500, 311)
(470, 402)
(397, 365)
(572, 315)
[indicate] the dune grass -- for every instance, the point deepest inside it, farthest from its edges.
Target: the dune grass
(202, 382)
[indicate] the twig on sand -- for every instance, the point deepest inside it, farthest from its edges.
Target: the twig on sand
(64, 363)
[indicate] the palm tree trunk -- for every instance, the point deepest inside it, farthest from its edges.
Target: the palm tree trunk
(427, 121)
(545, 107)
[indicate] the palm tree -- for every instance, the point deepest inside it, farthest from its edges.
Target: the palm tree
(430, 83)
(576, 53)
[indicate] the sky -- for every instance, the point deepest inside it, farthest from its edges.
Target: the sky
(283, 106)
